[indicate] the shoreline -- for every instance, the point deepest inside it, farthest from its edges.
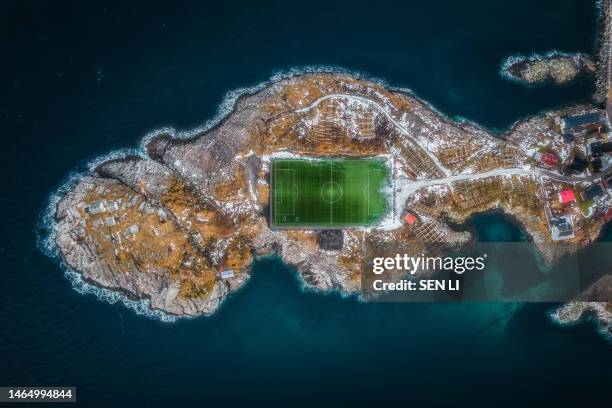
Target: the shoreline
(227, 107)
(46, 226)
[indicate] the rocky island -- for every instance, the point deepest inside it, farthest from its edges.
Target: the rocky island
(180, 225)
(555, 67)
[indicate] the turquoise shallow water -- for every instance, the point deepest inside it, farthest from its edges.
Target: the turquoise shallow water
(83, 80)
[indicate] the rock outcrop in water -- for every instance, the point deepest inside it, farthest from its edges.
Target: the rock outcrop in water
(601, 311)
(552, 67)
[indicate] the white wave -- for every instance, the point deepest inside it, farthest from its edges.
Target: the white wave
(46, 225)
(141, 307)
(114, 155)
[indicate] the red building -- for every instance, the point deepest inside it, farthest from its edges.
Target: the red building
(410, 219)
(566, 196)
(547, 159)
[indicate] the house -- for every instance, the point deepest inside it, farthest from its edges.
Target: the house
(579, 124)
(568, 138)
(606, 162)
(226, 274)
(561, 228)
(330, 240)
(592, 192)
(566, 196)
(597, 149)
(409, 217)
(547, 159)
(597, 165)
(578, 165)
(96, 208)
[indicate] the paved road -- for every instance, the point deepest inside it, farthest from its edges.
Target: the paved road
(572, 179)
(450, 177)
(375, 104)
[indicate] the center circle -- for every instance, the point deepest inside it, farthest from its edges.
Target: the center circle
(331, 192)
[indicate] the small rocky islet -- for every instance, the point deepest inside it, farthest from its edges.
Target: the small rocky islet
(556, 68)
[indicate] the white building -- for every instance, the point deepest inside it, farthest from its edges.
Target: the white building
(96, 208)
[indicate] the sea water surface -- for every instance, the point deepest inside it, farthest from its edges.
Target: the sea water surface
(83, 79)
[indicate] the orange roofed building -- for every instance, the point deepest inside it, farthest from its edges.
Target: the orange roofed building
(410, 219)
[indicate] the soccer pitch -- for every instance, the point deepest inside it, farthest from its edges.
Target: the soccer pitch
(328, 193)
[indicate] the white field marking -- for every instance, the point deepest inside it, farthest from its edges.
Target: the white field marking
(381, 197)
(331, 205)
(387, 114)
(330, 180)
(366, 192)
(278, 197)
(276, 170)
(322, 189)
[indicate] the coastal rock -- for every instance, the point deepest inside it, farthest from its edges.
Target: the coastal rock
(555, 67)
(578, 309)
(602, 311)
(573, 312)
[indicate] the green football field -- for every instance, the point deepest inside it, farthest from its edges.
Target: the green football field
(328, 192)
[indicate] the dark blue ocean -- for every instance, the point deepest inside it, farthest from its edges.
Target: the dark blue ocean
(82, 79)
